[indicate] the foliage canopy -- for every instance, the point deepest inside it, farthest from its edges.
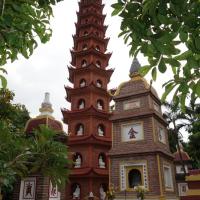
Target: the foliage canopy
(22, 24)
(167, 32)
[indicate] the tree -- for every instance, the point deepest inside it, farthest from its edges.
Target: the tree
(21, 155)
(168, 34)
(173, 116)
(189, 121)
(22, 24)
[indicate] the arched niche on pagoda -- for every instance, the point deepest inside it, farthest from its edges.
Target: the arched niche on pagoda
(84, 63)
(84, 46)
(101, 130)
(97, 48)
(79, 129)
(81, 104)
(82, 83)
(102, 191)
(76, 191)
(98, 64)
(100, 104)
(78, 160)
(99, 83)
(102, 161)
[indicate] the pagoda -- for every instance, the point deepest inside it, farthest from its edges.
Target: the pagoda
(140, 158)
(88, 119)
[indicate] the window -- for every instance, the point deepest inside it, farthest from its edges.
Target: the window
(83, 63)
(134, 178)
(102, 160)
(99, 83)
(168, 177)
(84, 47)
(161, 135)
(85, 33)
(75, 190)
(100, 105)
(79, 129)
(77, 160)
(82, 83)
(97, 48)
(81, 104)
(101, 130)
(98, 64)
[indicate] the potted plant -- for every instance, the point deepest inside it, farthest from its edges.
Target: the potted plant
(140, 191)
(110, 194)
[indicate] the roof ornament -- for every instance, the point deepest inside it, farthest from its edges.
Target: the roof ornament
(46, 106)
(135, 66)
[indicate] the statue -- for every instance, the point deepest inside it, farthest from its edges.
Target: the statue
(84, 63)
(100, 131)
(99, 84)
(77, 162)
(76, 193)
(102, 164)
(99, 106)
(80, 130)
(82, 84)
(102, 193)
(98, 64)
(81, 105)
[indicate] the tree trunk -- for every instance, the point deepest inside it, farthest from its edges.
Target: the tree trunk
(178, 147)
(1, 196)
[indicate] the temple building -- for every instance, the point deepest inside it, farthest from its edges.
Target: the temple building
(181, 159)
(88, 120)
(140, 154)
(36, 186)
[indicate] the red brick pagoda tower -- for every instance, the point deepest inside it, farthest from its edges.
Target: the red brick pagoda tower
(88, 120)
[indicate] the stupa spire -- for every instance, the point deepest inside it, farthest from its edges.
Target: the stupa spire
(134, 69)
(46, 106)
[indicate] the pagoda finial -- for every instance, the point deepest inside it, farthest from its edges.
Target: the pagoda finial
(135, 66)
(46, 107)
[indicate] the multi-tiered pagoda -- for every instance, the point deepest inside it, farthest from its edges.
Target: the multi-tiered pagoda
(88, 120)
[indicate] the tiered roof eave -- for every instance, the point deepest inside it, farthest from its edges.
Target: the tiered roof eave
(88, 88)
(90, 68)
(91, 111)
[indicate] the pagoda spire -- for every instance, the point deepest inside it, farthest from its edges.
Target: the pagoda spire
(88, 119)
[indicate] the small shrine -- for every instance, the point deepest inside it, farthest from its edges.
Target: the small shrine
(140, 154)
(182, 160)
(36, 186)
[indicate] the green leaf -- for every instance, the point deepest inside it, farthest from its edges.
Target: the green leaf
(197, 88)
(117, 8)
(183, 36)
(3, 81)
(162, 67)
(144, 70)
(197, 42)
(168, 89)
(154, 73)
(184, 55)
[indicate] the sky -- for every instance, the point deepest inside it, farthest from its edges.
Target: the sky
(46, 70)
